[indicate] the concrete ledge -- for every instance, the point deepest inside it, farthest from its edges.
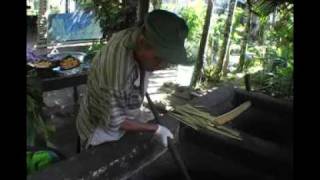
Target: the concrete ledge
(115, 160)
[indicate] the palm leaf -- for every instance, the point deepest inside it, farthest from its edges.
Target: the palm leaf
(263, 8)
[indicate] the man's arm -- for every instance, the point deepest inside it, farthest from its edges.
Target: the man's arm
(120, 122)
(161, 132)
(119, 117)
(128, 125)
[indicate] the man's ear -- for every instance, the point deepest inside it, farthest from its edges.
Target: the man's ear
(141, 40)
(143, 43)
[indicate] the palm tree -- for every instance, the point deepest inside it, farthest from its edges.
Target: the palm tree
(199, 63)
(216, 75)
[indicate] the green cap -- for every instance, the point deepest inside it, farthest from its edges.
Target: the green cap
(166, 32)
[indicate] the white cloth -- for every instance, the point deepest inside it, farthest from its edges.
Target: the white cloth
(162, 134)
(102, 135)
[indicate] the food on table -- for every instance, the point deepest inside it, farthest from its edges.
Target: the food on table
(69, 62)
(42, 64)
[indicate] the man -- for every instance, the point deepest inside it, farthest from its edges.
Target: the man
(116, 80)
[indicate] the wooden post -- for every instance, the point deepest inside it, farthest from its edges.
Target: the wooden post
(247, 82)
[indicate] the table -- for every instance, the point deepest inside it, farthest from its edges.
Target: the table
(55, 83)
(60, 82)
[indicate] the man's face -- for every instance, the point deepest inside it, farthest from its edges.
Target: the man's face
(148, 58)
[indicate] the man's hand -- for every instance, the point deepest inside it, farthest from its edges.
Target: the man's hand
(162, 133)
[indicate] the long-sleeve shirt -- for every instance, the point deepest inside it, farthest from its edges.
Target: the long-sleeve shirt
(113, 88)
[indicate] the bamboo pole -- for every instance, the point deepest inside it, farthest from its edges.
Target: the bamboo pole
(203, 121)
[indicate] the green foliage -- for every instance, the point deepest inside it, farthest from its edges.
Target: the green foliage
(215, 38)
(95, 47)
(216, 34)
(209, 72)
(39, 160)
(269, 59)
(194, 22)
(192, 51)
(238, 25)
(113, 15)
(274, 50)
(85, 5)
(269, 53)
(54, 10)
(278, 83)
(263, 7)
(37, 128)
(194, 17)
(92, 50)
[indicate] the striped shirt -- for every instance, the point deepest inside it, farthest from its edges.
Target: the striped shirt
(113, 88)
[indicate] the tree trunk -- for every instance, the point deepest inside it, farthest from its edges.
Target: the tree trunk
(262, 28)
(199, 63)
(130, 9)
(244, 42)
(216, 75)
(274, 15)
(227, 54)
(42, 25)
(142, 10)
(226, 61)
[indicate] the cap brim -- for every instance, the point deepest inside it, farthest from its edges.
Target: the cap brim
(172, 56)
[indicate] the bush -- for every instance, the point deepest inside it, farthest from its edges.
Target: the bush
(209, 72)
(92, 50)
(38, 130)
(194, 17)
